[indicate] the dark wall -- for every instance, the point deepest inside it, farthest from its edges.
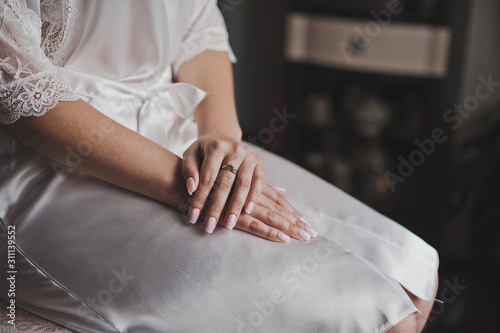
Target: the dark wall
(256, 30)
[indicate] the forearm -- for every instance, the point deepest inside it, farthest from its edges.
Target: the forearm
(109, 151)
(211, 71)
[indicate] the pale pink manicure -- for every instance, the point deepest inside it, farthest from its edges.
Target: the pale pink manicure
(283, 237)
(279, 189)
(311, 231)
(249, 207)
(304, 235)
(231, 222)
(193, 217)
(304, 220)
(211, 223)
(190, 185)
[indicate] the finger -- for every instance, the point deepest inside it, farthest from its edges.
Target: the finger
(280, 199)
(293, 228)
(285, 209)
(208, 175)
(279, 189)
(190, 165)
(240, 192)
(256, 188)
(220, 195)
(254, 226)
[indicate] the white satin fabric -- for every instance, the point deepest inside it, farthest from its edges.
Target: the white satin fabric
(123, 67)
(97, 258)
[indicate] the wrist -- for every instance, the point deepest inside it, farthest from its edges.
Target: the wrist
(172, 190)
(234, 134)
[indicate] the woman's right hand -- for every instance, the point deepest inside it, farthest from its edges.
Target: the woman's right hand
(222, 194)
(275, 219)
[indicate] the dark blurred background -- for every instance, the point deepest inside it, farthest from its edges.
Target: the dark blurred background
(397, 103)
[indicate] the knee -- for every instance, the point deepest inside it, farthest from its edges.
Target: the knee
(424, 307)
(408, 325)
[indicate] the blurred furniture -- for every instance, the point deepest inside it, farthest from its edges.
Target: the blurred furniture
(379, 45)
(366, 79)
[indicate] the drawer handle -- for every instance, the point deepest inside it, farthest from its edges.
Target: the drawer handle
(358, 45)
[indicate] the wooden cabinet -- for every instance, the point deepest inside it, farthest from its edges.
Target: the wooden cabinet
(368, 45)
(367, 89)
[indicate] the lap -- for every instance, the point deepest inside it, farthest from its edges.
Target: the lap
(353, 225)
(138, 266)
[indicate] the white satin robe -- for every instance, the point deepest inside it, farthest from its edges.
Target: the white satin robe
(97, 258)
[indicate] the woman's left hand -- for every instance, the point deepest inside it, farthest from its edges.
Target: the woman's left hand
(275, 219)
(212, 186)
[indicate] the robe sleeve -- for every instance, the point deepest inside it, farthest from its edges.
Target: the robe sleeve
(207, 31)
(29, 85)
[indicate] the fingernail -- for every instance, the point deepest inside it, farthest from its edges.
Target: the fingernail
(311, 231)
(193, 217)
(231, 222)
(249, 207)
(283, 237)
(211, 223)
(304, 235)
(304, 220)
(279, 189)
(190, 185)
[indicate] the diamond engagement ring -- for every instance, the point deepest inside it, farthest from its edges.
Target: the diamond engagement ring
(230, 167)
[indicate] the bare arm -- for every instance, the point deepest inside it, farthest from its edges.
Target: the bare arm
(211, 71)
(119, 156)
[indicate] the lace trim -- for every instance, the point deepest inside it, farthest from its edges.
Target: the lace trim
(58, 28)
(209, 39)
(28, 85)
(33, 96)
(25, 20)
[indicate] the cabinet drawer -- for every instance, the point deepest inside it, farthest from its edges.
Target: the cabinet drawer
(364, 45)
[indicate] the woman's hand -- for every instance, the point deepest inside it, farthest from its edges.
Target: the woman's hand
(274, 218)
(240, 200)
(229, 199)
(221, 190)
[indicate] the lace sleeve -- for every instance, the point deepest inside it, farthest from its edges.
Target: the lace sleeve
(28, 83)
(207, 31)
